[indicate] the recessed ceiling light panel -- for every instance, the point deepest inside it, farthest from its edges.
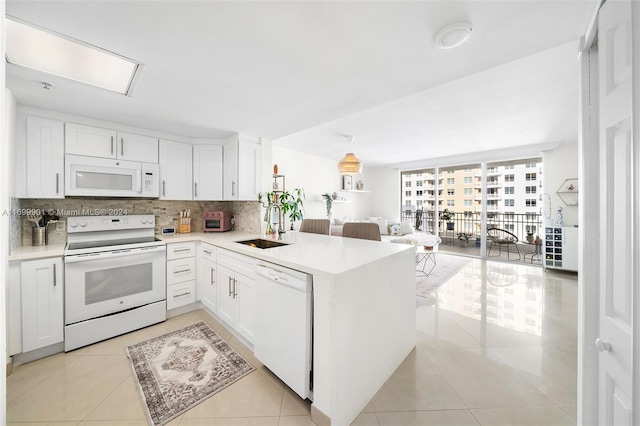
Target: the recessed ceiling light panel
(42, 50)
(453, 35)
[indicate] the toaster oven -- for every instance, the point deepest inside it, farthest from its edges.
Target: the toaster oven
(216, 221)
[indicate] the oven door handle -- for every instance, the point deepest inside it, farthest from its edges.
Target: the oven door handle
(113, 254)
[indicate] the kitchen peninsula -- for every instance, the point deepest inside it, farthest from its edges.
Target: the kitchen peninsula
(363, 311)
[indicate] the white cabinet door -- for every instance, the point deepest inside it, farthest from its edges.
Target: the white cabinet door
(87, 140)
(226, 298)
(42, 303)
(207, 172)
(207, 285)
(249, 170)
(137, 148)
(245, 305)
(45, 158)
(175, 170)
(230, 180)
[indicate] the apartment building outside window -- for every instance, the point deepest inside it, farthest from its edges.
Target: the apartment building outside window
(530, 189)
(509, 178)
(468, 179)
(468, 191)
(451, 192)
(451, 181)
(451, 203)
(468, 203)
(407, 184)
(407, 193)
(530, 202)
(419, 193)
(531, 176)
(509, 203)
(509, 190)
(419, 183)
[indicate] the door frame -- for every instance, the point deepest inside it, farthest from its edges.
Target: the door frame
(589, 241)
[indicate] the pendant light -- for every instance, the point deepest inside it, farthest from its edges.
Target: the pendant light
(350, 164)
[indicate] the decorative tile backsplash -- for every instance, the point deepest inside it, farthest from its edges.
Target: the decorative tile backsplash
(246, 213)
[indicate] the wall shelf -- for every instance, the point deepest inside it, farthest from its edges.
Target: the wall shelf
(356, 190)
(568, 192)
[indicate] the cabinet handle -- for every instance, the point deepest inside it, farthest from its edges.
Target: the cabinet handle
(195, 184)
(230, 293)
(181, 250)
(163, 188)
(233, 188)
(54, 275)
(207, 251)
(121, 146)
(235, 288)
(182, 271)
(111, 144)
(57, 183)
(182, 294)
(212, 279)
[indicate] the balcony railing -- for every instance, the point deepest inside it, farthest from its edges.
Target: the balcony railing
(469, 223)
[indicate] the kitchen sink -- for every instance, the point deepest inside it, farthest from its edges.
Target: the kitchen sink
(261, 243)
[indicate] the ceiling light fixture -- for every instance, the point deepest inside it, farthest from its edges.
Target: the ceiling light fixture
(43, 50)
(350, 164)
(453, 35)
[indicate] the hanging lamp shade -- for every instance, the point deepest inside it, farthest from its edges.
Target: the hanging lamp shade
(350, 165)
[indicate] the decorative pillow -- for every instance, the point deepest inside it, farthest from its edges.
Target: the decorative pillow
(382, 224)
(406, 227)
(395, 229)
(342, 221)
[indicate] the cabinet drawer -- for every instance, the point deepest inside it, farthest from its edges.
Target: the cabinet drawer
(181, 270)
(181, 294)
(237, 262)
(181, 250)
(207, 251)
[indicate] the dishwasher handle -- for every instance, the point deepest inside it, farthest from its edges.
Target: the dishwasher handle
(282, 278)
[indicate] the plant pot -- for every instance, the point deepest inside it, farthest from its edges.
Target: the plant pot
(450, 226)
(530, 238)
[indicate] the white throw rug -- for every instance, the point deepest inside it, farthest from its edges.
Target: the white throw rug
(178, 370)
(447, 266)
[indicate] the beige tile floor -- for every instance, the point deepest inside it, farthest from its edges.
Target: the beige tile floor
(496, 345)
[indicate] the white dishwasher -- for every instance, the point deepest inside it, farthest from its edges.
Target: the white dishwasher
(283, 328)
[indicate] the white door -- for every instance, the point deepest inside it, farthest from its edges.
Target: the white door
(618, 217)
(87, 140)
(226, 295)
(231, 171)
(245, 306)
(42, 303)
(207, 172)
(45, 158)
(207, 284)
(176, 176)
(137, 148)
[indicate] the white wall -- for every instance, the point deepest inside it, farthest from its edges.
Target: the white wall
(559, 164)
(5, 161)
(317, 176)
(385, 195)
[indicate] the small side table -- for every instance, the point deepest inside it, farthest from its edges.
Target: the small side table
(423, 256)
(536, 252)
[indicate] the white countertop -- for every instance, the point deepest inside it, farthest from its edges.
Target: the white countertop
(37, 252)
(311, 253)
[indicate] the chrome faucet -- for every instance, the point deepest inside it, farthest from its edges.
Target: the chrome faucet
(270, 208)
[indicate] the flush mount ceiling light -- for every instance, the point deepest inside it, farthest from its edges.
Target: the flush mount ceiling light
(350, 164)
(43, 50)
(453, 35)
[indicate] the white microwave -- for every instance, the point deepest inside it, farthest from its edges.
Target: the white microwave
(104, 177)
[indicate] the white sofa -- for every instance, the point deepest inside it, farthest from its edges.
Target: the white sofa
(391, 231)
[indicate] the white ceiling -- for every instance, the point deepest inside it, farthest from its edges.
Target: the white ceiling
(305, 73)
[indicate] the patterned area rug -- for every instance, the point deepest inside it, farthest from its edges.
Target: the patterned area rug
(446, 267)
(181, 369)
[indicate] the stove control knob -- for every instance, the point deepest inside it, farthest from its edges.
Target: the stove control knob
(73, 223)
(83, 224)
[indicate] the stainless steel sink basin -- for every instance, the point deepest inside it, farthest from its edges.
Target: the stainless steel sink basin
(261, 243)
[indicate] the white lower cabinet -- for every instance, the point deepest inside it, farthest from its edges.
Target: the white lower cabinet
(206, 282)
(42, 291)
(181, 274)
(236, 292)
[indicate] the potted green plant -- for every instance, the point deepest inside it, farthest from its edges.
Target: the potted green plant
(329, 201)
(293, 205)
(447, 216)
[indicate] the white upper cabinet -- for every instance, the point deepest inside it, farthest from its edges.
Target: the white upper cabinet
(242, 168)
(41, 158)
(137, 148)
(176, 165)
(107, 143)
(91, 141)
(207, 172)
